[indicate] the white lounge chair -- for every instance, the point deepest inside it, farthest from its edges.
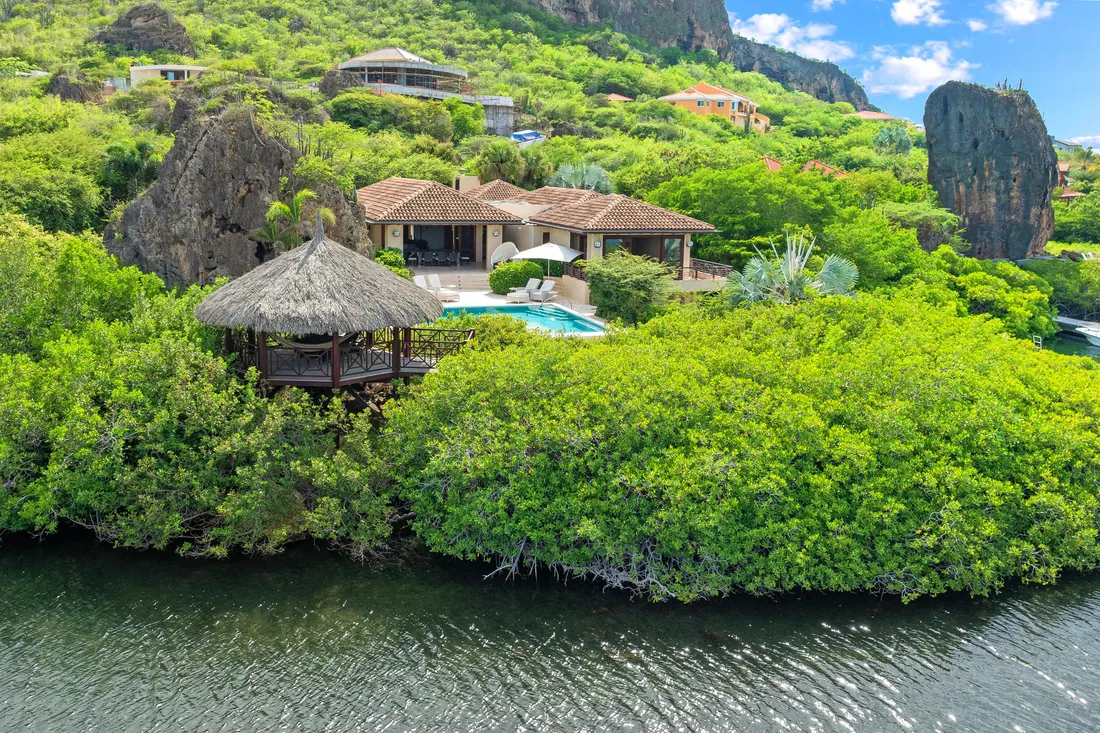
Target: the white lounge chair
(522, 295)
(420, 282)
(545, 292)
(447, 296)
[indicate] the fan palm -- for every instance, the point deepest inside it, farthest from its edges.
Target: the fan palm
(785, 279)
(588, 176)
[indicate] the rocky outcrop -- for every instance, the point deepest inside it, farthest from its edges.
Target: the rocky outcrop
(991, 162)
(336, 81)
(188, 106)
(196, 222)
(147, 28)
(694, 25)
(820, 79)
(689, 24)
(75, 87)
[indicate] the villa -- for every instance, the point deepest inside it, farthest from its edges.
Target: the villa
(706, 99)
(872, 116)
(1063, 146)
(397, 71)
(431, 223)
(772, 164)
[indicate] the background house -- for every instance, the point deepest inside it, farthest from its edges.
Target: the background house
(397, 71)
(174, 73)
(707, 99)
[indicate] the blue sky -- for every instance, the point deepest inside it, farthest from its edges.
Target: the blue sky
(903, 49)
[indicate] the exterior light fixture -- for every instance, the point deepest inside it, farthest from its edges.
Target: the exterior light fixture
(689, 243)
(396, 233)
(597, 244)
(496, 234)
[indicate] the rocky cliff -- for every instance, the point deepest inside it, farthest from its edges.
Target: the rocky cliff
(195, 223)
(697, 24)
(688, 24)
(147, 28)
(991, 162)
(820, 79)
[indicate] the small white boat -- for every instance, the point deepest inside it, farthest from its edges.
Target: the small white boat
(1092, 333)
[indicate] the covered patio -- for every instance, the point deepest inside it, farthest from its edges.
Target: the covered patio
(322, 315)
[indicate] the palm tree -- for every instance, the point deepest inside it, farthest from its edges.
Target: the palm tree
(288, 222)
(499, 159)
(785, 279)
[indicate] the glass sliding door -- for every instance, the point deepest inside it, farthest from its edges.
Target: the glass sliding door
(672, 251)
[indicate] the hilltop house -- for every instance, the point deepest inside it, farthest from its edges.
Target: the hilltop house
(1063, 146)
(396, 71)
(706, 99)
(871, 116)
(174, 73)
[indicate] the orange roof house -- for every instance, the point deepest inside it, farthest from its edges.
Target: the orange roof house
(1069, 195)
(619, 98)
(706, 99)
(872, 116)
(1063, 173)
(772, 164)
(826, 169)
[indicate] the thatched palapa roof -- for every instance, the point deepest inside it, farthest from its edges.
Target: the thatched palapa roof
(319, 287)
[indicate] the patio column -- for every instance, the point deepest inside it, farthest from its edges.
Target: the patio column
(335, 360)
(261, 353)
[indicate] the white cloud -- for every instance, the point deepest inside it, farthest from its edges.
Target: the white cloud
(779, 30)
(923, 68)
(976, 25)
(818, 5)
(1089, 141)
(1023, 12)
(919, 12)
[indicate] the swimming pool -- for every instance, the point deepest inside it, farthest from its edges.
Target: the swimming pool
(549, 317)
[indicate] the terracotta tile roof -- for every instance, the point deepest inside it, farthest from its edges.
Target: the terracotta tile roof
(1064, 166)
(407, 200)
(601, 213)
(825, 168)
(869, 115)
(619, 98)
(554, 196)
(498, 190)
(772, 164)
(1068, 195)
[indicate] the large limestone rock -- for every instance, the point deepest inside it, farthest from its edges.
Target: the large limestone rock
(991, 162)
(75, 87)
(337, 81)
(147, 28)
(694, 25)
(196, 222)
(820, 79)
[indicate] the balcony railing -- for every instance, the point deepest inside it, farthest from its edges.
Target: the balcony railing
(393, 353)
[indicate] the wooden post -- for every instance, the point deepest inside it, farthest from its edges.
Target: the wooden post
(396, 357)
(261, 353)
(335, 360)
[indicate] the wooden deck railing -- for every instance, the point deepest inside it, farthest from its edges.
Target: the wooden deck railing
(363, 357)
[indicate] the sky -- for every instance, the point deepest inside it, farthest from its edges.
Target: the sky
(903, 49)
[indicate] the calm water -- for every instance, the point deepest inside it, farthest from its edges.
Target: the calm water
(98, 639)
(546, 317)
(1074, 346)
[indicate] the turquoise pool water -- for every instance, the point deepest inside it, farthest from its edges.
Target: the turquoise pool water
(545, 317)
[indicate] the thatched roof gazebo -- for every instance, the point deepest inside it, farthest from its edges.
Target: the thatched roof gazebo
(322, 305)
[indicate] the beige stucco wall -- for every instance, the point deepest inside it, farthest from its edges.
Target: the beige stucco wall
(386, 234)
(576, 291)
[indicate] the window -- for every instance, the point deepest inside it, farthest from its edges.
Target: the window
(721, 104)
(610, 245)
(671, 250)
(546, 237)
(701, 103)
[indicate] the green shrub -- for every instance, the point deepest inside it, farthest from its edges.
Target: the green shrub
(627, 287)
(1075, 285)
(845, 444)
(393, 259)
(510, 275)
(492, 331)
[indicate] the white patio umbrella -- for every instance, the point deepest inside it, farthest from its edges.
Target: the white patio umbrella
(548, 251)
